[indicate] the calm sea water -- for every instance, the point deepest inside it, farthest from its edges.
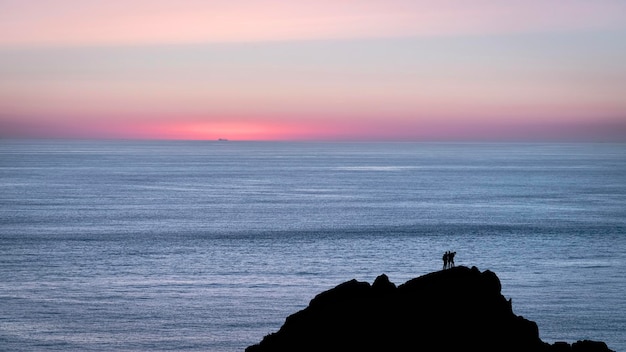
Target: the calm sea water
(208, 246)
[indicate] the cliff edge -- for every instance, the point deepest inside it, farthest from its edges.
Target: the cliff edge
(458, 309)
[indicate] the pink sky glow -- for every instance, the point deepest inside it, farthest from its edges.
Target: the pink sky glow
(319, 70)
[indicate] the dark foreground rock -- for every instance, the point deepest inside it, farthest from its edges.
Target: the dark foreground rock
(458, 309)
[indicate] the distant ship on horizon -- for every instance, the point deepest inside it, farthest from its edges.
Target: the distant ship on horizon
(222, 140)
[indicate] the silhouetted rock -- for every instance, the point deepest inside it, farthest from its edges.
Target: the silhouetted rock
(459, 309)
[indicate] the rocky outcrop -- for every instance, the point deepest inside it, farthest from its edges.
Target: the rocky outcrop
(459, 309)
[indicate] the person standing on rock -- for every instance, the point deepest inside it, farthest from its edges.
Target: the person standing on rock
(445, 260)
(451, 259)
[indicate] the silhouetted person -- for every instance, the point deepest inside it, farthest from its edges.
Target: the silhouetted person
(451, 259)
(445, 260)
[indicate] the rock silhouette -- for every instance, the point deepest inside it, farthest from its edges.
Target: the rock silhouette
(459, 309)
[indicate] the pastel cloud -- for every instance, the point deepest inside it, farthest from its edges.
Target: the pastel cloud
(89, 22)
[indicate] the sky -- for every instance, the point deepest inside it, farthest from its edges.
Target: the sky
(401, 70)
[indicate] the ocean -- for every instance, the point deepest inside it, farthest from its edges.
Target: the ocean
(210, 245)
